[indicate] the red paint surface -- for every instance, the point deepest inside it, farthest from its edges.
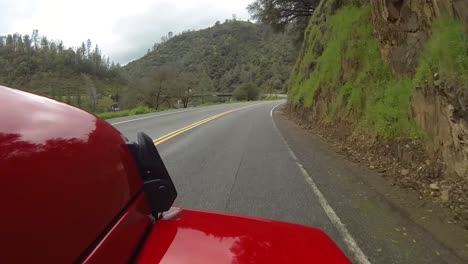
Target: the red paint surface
(120, 244)
(65, 175)
(205, 238)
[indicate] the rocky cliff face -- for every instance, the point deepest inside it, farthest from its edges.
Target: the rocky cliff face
(439, 105)
(416, 90)
(403, 27)
(389, 79)
(441, 113)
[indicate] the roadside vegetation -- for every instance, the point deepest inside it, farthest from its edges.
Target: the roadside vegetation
(446, 54)
(135, 111)
(271, 97)
(146, 110)
(345, 63)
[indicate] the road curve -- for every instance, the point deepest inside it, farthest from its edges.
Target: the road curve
(240, 163)
(236, 164)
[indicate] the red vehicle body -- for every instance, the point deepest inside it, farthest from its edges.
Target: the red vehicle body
(71, 191)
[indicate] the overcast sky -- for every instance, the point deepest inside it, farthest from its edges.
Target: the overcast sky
(124, 30)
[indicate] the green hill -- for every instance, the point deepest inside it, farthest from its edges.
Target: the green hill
(228, 55)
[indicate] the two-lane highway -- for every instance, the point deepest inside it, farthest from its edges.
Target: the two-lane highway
(236, 163)
(159, 124)
(233, 158)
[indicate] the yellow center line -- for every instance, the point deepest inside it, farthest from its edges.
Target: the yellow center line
(194, 125)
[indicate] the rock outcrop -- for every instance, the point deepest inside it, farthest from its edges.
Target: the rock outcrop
(389, 79)
(439, 107)
(440, 110)
(403, 27)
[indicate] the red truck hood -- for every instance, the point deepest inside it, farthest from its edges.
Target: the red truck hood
(202, 237)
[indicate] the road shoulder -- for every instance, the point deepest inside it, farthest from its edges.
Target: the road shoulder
(403, 227)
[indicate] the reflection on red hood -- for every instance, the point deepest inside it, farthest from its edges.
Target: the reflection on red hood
(205, 238)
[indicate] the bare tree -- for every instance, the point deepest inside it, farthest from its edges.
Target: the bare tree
(155, 90)
(184, 88)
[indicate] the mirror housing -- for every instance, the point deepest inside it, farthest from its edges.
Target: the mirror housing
(157, 184)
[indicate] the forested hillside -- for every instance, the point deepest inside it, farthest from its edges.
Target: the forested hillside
(237, 57)
(80, 76)
(234, 54)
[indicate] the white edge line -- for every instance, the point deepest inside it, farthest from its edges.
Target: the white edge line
(348, 239)
(163, 114)
(273, 109)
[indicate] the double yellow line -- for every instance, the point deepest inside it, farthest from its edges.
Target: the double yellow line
(194, 125)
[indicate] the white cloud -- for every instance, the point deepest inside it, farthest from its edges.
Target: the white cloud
(123, 29)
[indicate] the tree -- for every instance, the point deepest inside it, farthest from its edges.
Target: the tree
(27, 42)
(155, 46)
(154, 90)
(89, 45)
(247, 91)
(205, 85)
(83, 50)
(35, 38)
(44, 43)
(282, 13)
(104, 104)
(92, 93)
(60, 46)
(185, 88)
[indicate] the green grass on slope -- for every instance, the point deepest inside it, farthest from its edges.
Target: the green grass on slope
(446, 53)
(135, 111)
(371, 96)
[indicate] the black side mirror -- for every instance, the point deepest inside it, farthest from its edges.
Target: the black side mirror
(157, 183)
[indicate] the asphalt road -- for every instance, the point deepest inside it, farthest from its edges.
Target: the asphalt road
(253, 162)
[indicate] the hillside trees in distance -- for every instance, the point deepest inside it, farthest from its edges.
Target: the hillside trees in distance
(181, 70)
(168, 86)
(154, 90)
(222, 58)
(80, 76)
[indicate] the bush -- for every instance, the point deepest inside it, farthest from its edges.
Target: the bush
(104, 104)
(271, 97)
(247, 91)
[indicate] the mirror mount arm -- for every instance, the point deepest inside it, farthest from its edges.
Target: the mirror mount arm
(157, 184)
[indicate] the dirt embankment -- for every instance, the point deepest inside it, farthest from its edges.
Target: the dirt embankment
(419, 53)
(439, 105)
(404, 162)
